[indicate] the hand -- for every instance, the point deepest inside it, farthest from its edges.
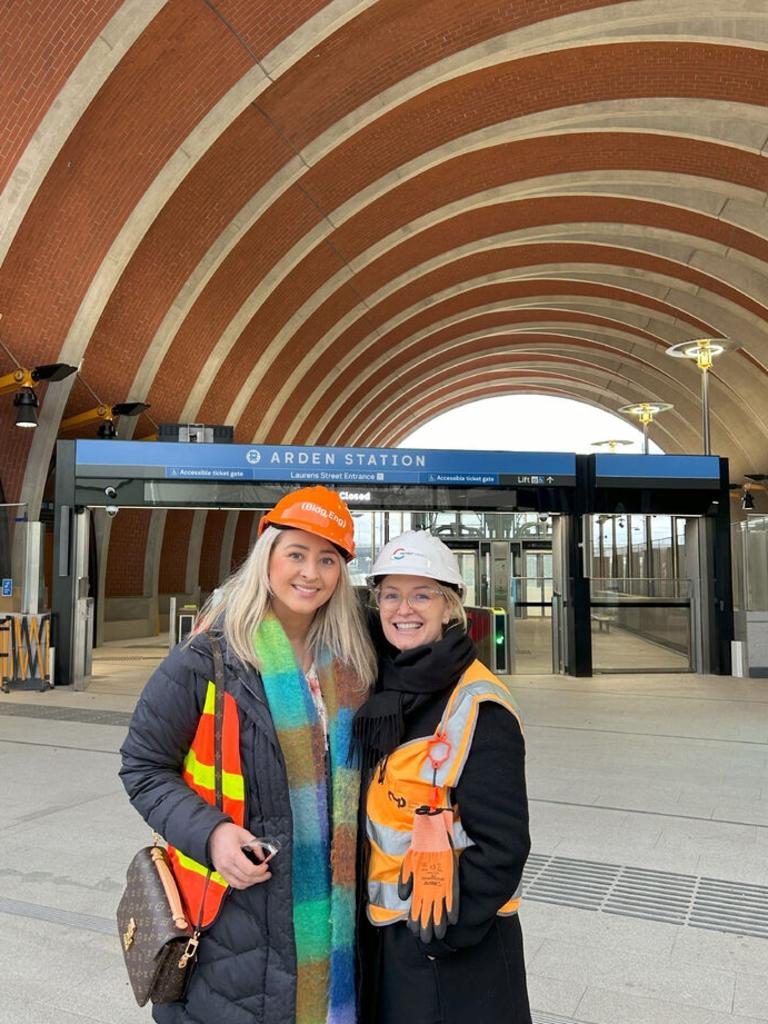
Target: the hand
(230, 861)
(429, 875)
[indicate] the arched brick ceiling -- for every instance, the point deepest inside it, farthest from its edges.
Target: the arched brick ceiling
(327, 222)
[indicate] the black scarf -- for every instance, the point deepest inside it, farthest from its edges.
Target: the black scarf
(406, 681)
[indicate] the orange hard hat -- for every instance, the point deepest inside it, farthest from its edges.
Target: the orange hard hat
(316, 510)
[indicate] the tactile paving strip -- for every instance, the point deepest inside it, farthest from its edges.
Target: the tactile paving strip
(698, 902)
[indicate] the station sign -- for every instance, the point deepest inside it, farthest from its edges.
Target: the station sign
(352, 467)
(660, 471)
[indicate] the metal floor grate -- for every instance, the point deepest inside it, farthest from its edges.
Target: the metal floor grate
(691, 900)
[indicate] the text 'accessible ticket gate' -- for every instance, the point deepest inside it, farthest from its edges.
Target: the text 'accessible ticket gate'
(117, 475)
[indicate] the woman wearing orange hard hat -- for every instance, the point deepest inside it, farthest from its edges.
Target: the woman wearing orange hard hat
(269, 875)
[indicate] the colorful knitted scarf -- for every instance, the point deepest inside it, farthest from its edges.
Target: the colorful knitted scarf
(323, 867)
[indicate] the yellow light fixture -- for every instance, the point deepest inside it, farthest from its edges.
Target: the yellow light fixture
(22, 382)
(644, 412)
(611, 444)
(703, 351)
(24, 378)
(105, 416)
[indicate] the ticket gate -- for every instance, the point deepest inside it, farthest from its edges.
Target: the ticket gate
(516, 578)
(489, 630)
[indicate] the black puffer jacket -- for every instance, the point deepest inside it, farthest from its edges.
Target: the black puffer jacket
(246, 972)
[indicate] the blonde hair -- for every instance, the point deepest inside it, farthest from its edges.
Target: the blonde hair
(455, 607)
(242, 602)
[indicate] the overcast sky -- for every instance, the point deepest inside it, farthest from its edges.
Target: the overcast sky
(527, 423)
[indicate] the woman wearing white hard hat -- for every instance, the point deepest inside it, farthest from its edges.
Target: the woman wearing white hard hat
(444, 807)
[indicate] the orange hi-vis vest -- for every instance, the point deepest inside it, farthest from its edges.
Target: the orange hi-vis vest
(407, 783)
(203, 895)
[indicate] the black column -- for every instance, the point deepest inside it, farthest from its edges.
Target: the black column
(63, 588)
(721, 615)
(577, 603)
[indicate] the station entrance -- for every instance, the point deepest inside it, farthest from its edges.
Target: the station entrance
(644, 613)
(595, 563)
(506, 562)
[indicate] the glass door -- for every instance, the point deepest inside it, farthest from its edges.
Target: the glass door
(532, 606)
(468, 560)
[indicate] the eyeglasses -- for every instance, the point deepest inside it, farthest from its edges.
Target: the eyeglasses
(420, 600)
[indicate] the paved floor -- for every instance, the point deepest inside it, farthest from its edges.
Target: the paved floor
(647, 891)
(613, 649)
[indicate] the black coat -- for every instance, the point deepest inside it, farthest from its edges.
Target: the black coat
(478, 974)
(246, 971)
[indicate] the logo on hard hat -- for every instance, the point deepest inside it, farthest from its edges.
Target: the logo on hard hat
(326, 513)
(400, 553)
(253, 456)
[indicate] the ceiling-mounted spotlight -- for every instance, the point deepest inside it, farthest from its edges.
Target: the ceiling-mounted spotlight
(26, 408)
(107, 430)
(21, 382)
(21, 377)
(104, 415)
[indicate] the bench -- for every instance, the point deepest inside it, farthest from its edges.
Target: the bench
(603, 620)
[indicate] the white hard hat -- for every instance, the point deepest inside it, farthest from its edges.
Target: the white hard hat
(418, 553)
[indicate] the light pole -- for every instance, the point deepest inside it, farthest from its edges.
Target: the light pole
(704, 351)
(644, 412)
(611, 443)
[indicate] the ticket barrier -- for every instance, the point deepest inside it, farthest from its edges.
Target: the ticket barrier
(181, 622)
(26, 655)
(489, 631)
(186, 621)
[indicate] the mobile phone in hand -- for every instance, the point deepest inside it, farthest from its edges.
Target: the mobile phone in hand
(261, 850)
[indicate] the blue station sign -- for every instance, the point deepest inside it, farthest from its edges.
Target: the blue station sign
(657, 471)
(298, 464)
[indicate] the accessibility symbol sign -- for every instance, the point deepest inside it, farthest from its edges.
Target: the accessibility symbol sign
(7, 587)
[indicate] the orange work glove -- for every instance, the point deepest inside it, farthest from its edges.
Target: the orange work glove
(429, 874)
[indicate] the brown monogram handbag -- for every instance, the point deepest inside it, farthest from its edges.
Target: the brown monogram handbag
(158, 940)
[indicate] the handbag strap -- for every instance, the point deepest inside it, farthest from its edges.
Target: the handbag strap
(218, 722)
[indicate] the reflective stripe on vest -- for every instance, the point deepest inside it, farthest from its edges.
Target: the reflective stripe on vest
(386, 907)
(407, 784)
(202, 896)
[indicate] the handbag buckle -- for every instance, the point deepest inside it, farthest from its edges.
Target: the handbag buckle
(189, 951)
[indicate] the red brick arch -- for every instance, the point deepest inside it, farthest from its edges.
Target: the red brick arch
(253, 201)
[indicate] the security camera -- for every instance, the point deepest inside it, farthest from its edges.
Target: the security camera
(111, 492)
(543, 517)
(111, 510)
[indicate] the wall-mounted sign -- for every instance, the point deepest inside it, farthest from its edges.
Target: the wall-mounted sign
(355, 496)
(295, 464)
(681, 471)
